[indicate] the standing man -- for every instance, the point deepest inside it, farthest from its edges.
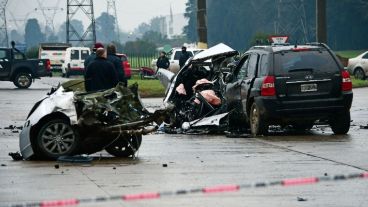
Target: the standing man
(92, 56)
(116, 61)
(100, 73)
(163, 61)
(183, 57)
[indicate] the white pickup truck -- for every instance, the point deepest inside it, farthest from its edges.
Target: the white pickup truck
(174, 56)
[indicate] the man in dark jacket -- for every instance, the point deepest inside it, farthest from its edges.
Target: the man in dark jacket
(116, 61)
(183, 57)
(100, 73)
(92, 56)
(162, 61)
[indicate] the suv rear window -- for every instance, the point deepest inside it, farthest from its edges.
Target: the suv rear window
(314, 59)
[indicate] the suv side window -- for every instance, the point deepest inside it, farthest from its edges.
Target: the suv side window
(243, 69)
(263, 66)
(74, 54)
(252, 66)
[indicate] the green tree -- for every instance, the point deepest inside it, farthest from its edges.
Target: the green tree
(139, 47)
(33, 35)
(190, 30)
(105, 28)
(76, 24)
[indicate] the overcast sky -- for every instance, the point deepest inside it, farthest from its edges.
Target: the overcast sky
(130, 12)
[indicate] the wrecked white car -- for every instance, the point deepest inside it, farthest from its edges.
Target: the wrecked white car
(197, 92)
(67, 122)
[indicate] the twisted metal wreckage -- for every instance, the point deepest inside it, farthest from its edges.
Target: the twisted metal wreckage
(68, 122)
(198, 92)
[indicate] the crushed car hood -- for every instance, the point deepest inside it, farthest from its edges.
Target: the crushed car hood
(218, 50)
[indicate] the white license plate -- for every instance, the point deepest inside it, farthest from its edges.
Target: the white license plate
(308, 87)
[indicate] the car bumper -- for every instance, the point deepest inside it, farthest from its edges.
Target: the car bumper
(275, 110)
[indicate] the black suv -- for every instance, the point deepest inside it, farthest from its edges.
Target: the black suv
(286, 85)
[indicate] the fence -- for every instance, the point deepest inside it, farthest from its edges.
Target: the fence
(141, 60)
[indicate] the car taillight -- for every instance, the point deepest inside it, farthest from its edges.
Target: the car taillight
(346, 84)
(268, 86)
(48, 65)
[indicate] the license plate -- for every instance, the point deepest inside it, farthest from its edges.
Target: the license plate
(308, 87)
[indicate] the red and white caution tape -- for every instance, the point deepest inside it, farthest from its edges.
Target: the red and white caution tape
(205, 190)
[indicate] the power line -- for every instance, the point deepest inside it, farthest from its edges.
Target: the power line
(291, 20)
(3, 29)
(111, 9)
(49, 15)
(83, 8)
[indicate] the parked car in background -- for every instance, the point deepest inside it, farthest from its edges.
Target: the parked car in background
(73, 63)
(126, 65)
(55, 52)
(15, 67)
(358, 66)
(174, 56)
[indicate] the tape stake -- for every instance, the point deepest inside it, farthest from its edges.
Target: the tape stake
(221, 188)
(140, 196)
(58, 203)
(299, 181)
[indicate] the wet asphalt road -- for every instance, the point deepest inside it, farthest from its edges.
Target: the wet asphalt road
(192, 161)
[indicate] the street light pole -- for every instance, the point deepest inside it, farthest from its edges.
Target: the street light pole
(202, 24)
(321, 26)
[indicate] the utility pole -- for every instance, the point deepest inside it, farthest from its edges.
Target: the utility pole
(321, 25)
(80, 8)
(4, 42)
(111, 9)
(49, 15)
(291, 20)
(202, 24)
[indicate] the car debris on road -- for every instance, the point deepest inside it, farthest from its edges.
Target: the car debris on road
(69, 121)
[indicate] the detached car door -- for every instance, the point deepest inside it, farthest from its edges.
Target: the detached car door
(248, 80)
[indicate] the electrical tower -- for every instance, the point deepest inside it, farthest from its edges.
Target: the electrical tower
(84, 10)
(111, 9)
(291, 20)
(3, 30)
(49, 15)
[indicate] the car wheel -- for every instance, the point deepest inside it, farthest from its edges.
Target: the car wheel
(258, 125)
(340, 123)
(23, 80)
(126, 146)
(57, 138)
(359, 74)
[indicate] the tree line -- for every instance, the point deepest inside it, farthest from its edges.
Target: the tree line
(239, 23)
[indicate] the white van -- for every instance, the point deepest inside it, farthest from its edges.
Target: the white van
(74, 61)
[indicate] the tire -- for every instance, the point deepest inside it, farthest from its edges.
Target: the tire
(125, 147)
(340, 123)
(359, 74)
(23, 80)
(258, 125)
(57, 138)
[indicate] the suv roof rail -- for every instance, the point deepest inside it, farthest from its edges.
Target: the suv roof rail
(280, 44)
(318, 44)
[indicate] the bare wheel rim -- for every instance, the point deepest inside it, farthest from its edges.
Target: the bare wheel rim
(58, 138)
(254, 119)
(23, 80)
(359, 74)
